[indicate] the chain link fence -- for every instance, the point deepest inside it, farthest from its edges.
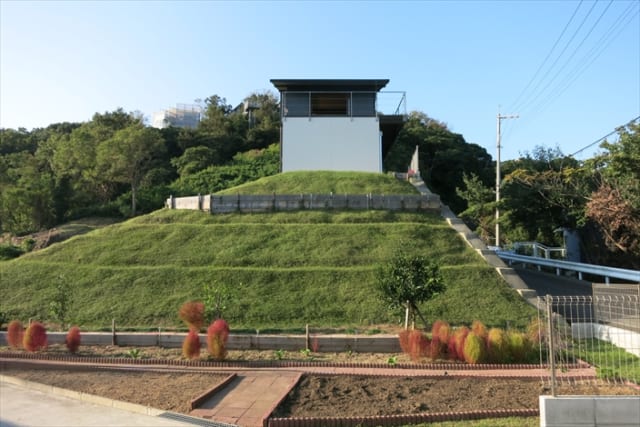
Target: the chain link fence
(601, 331)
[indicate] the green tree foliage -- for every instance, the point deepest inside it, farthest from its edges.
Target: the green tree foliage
(129, 155)
(614, 206)
(409, 280)
(444, 157)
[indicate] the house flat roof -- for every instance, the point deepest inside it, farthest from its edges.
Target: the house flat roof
(329, 84)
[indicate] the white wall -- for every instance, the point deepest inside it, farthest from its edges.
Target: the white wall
(331, 143)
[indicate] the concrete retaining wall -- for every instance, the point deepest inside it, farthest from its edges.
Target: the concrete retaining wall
(323, 343)
(579, 411)
(622, 338)
(284, 202)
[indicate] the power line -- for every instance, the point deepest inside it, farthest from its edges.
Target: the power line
(604, 137)
(548, 54)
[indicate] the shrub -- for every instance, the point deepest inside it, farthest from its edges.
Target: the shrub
(478, 328)
(217, 335)
(191, 345)
(435, 328)
(192, 313)
(35, 337)
(459, 337)
(497, 346)
(72, 341)
(536, 331)
(15, 333)
(519, 348)
(435, 349)
(418, 345)
(403, 337)
(474, 349)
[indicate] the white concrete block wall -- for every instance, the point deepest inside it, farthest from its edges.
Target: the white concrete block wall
(583, 411)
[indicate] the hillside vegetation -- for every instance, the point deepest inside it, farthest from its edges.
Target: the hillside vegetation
(286, 269)
(324, 182)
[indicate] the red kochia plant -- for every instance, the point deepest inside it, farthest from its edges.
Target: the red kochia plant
(192, 313)
(72, 341)
(217, 336)
(191, 345)
(418, 345)
(459, 336)
(35, 337)
(15, 332)
(403, 337)
(475, 350)
(478, 328)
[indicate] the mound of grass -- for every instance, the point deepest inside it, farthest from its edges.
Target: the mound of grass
(324, 182)
(287, 270)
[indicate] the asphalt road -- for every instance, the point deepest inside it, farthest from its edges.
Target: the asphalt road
(550, 284)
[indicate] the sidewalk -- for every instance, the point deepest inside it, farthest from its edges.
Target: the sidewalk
(21, 406)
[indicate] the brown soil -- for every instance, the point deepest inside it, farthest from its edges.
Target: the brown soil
(316, 395)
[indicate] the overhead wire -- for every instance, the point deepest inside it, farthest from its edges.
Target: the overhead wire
(614, 30)
(589, 58)
(604, 137)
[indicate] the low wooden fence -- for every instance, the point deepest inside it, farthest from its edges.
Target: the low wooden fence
(285, 202)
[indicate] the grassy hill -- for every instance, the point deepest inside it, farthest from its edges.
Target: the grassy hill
(287, 269)
(324, 182)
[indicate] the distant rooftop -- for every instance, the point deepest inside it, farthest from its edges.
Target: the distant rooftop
(329, 84)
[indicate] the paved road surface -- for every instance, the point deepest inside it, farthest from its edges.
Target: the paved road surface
(550, 284)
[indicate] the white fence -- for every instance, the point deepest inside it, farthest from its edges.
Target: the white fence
(601, 330)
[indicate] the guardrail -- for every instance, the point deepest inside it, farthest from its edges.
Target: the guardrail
(580, 268)
(539, 250)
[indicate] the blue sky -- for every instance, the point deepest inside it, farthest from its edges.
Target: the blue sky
(458, 61)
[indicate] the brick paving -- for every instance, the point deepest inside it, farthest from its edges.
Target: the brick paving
(249, 398)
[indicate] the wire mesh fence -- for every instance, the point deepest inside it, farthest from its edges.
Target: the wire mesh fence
(601, 332)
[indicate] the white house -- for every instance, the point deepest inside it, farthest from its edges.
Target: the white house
(334, 125)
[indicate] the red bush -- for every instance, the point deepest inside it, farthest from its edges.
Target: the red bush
(418, 345)
(191, 345)
(459, 336)
(35, 337)
(452, 352)
(15, 333)
(72, 341)
(192, 313)
(217, 335)
(403, 337)
(435, 328)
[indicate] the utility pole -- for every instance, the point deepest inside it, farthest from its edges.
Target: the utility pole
(500, 118)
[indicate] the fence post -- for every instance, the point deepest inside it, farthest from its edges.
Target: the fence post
(552, 358)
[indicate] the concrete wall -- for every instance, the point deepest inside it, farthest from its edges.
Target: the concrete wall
(284, 202)
(622, 338)
(325, 343)
(331, 143)
(579, 411)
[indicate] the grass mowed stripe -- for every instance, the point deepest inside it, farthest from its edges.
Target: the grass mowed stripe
(287, 269)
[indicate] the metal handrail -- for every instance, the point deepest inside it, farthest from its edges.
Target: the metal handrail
(597, 270)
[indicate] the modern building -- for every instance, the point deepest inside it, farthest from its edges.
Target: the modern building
(183, 116)
(335, 124)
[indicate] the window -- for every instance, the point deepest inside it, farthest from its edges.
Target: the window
(330, 104)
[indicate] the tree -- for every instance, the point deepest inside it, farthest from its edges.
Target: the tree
(615, 205)
(129, 155)
(481, 205)
(444, 157)
(409, 280)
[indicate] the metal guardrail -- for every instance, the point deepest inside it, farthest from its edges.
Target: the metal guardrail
(540, 250)
(580, 268)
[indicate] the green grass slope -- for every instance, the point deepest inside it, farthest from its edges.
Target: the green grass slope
(287, 270)
(324, 182)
